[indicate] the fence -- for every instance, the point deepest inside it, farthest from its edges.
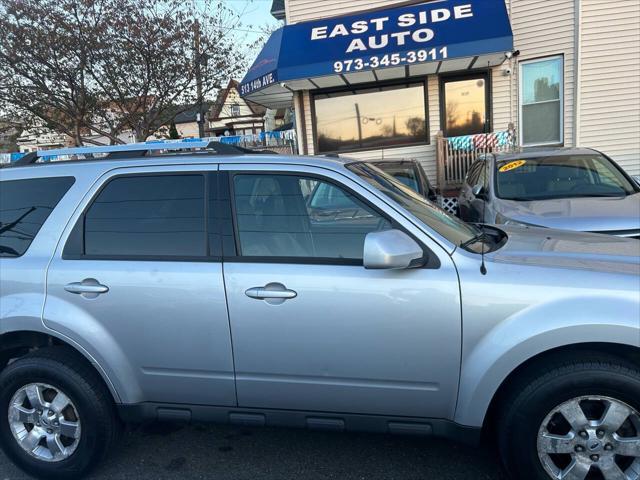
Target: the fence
(283, 142)
(454, 155)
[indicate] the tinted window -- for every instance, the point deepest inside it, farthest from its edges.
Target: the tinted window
(474, 174)
(24, 207)
(159, 215)
(560, 176)
(293, 216)
(371, 118)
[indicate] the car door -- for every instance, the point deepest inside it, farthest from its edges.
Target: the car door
(137, 281)
(313, 329)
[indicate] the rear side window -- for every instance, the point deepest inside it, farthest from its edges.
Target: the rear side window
(24, 207)
(148, 216)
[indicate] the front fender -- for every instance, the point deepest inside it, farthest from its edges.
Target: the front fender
(534, 330)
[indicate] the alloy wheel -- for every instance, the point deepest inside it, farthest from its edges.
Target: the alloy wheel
(591, 437)
(44, 422)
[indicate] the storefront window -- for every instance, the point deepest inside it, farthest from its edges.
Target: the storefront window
(464, 103)
(371, 118)
(541, 101)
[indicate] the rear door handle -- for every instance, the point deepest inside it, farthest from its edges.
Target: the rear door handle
(88, 288)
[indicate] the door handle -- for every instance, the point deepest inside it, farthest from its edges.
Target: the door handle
(261, 293)
(273, 293)
(88, 288)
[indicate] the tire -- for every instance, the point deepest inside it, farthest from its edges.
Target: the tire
(535, 408)
(88, 415)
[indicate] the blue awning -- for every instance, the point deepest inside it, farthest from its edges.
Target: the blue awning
(434, 37)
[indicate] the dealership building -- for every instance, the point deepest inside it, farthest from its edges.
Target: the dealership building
(442, 81)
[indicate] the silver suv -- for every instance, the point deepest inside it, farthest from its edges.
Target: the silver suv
(309, 292)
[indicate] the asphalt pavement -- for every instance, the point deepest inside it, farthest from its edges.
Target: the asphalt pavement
(164, 451)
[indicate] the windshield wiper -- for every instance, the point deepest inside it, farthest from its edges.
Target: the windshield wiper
(477, 238)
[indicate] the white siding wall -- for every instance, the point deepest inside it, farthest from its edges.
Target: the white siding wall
(610, 93)
(303, 10)
(610, 80)
(544, 29)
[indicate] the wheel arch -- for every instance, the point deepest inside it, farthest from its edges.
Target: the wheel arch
(624, 352)
(17, 343)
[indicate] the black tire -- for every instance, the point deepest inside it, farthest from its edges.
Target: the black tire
(67, 371)
(541, 389)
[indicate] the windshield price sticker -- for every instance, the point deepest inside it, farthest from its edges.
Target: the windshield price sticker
(391, 60)
(512, 166)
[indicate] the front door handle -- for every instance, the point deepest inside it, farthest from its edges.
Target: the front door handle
(273, 293)
(88, 288)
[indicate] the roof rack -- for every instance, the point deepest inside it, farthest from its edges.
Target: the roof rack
(133, 150)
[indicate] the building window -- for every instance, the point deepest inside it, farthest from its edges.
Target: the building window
(541, 101)
(235, 110)
(385, 116)
(464, 104)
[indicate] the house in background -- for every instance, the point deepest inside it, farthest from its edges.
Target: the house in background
(232, 115)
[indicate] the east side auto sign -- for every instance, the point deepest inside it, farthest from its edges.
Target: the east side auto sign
(426, 32)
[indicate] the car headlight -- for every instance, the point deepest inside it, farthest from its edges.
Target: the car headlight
(501, 219)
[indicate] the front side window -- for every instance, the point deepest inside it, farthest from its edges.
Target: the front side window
(24, 207)
(541, 101)
(560, 176)
(465, 105)
(371, 118)
(279, 215)
(148, 216)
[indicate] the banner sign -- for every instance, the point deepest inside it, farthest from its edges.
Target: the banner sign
(428, 32)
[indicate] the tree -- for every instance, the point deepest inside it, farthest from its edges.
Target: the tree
(148, 65)
(173, 131)
(102, 67)
(44, 52)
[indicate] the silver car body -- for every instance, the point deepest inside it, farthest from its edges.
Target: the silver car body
(610, 215)
(418, 346)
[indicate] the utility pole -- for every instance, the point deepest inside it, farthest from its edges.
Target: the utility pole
(198, 59)
(359, 120)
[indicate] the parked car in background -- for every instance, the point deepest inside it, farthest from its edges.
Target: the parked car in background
(409, 172)
(304, 292)
(573, 189)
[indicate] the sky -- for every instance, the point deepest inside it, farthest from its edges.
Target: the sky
(255, 14)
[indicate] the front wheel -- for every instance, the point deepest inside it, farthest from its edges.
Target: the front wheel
(57, 419)
(579, 420)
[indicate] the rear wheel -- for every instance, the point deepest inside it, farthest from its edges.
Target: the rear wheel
(577, 420)
(57, 419)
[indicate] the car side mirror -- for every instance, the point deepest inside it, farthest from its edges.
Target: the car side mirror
(390, 249)
(479, 192)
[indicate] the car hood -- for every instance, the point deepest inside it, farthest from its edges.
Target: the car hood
(566, 249)
(589, 214)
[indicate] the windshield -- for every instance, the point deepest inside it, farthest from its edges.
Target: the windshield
(450, 227)
(560, 176)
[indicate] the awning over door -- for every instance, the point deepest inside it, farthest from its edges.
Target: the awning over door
(428, 38)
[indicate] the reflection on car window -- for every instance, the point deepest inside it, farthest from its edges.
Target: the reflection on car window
(24, 207)
(296, 216)
(560, 176)
(403, 173)
(157, 216)
(450, 227)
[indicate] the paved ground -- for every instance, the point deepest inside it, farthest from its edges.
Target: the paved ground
(161, 451)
